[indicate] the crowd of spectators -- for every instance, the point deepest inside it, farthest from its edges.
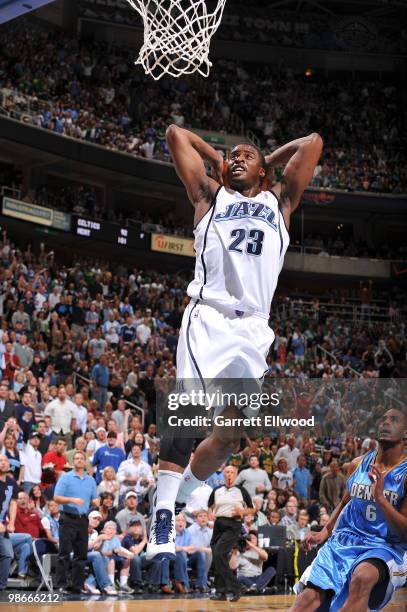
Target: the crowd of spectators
(83, 348)
(92, 91)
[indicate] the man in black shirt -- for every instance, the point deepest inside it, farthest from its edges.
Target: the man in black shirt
(8, 506)
(230, 504)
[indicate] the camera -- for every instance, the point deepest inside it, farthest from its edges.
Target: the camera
(242, 542)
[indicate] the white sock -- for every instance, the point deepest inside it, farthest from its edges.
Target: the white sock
(111, 578)
(123, 580)
(167, 489)
(188, 484)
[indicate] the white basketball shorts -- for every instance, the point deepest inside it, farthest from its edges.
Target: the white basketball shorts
(217, 345)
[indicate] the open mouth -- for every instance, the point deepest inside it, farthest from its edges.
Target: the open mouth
(237, 170)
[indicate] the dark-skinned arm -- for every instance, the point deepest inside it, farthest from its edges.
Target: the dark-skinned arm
(299, 158)
(188, 152)
(396, 519)
(319, 537)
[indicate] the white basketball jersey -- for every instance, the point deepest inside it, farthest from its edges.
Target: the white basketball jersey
(240, 245)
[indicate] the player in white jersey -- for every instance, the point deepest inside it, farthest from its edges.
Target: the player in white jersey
(241, 236)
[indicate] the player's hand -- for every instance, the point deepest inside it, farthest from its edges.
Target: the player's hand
(238, 511)
(11, 528)
(377, 479)
(77, 500)
(313, 538)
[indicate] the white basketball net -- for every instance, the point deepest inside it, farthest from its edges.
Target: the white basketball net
(177, 35)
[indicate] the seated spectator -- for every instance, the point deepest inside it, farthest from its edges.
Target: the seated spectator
(135, 540)
(100, 577)
(200, 537)
(249, 565)
(109, 484)
(114, 551)
(106, 509)
(259, 518)
(37, 500)
(50, 523)
(184, 552)
(273, 517)
(129, 512)
(290, 513)
(27, 518)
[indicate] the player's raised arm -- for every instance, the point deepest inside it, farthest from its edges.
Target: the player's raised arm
(188, 152)
(300, 158)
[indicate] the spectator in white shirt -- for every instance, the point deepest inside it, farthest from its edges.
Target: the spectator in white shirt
(63, 414)
(288, 452)
(81, 415)
(135, 474)
(147, 148)
(143, 332)
(31, 459)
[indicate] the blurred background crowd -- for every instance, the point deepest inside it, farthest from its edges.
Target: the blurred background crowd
(88, 90)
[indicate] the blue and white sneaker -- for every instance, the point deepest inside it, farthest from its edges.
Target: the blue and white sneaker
(161, 543)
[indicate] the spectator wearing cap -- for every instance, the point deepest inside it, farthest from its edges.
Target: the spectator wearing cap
(75, 491)
(62, 412)
(100, 382)
(129, 511)
(108, 456)
(135, 540)
(31, 459)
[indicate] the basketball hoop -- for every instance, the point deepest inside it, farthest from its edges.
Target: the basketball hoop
(177, 35)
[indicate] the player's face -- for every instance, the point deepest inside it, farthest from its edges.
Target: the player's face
(392, 427)
(244, 166)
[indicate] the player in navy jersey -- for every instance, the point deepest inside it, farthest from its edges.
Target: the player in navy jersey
(365, 558)
(241, 236)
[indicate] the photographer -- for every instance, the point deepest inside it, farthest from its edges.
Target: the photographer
(248, 559)
(230, 503)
